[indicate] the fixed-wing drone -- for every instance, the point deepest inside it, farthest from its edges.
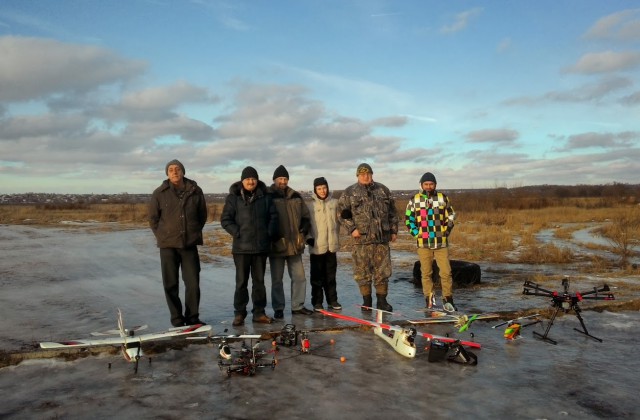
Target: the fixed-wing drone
(567, 302)
(130, 343)
(401, 339)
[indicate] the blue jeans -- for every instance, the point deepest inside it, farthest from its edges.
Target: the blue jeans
(298, 282)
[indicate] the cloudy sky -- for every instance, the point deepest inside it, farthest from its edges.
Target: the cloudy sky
(96, 96)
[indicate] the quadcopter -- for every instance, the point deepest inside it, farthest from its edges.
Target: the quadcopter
(566, 302)
(246, 360)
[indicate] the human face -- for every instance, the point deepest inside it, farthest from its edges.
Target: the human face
(322, 191)
(175, 174)
(281, 182)
(365, 178)
(428, 186)
(249, 184)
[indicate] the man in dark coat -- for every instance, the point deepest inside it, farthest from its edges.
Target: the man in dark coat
(177, 213)
(250, 217)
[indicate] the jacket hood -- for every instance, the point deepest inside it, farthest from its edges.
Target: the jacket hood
(189, 184)
(316, 198)
(288, 193)
(236, 187)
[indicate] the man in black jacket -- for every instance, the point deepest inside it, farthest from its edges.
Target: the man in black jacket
(177, 214)
(252, 220)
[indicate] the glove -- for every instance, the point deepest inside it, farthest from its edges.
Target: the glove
(311, 241)
(449, 227)
(346, 214)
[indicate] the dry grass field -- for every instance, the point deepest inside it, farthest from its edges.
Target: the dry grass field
(498, 225)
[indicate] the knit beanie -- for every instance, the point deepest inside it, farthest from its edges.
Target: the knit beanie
(428, 177)
(281, 171)
(249, 172)
(320, 181)
(364, 168)
(174, 162)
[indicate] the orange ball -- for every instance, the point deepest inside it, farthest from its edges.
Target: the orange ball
(343, 359)
(333, 341)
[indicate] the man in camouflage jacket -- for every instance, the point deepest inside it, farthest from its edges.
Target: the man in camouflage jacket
(368, 212)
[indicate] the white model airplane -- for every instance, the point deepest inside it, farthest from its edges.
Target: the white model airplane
(130, 343)
(401, 339)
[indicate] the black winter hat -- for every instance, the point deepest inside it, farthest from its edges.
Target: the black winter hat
(174, 162)
(249, 172)
(428, 177)
(281, 171)
(320, 181)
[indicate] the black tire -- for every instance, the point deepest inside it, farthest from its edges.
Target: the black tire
(464, 273)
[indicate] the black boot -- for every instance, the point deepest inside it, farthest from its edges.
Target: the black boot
(383, 304)
(368, 302)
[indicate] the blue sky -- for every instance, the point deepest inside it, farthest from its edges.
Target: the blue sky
(96, 96)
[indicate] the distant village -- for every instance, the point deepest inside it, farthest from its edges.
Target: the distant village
(622, 192)
(54, 198)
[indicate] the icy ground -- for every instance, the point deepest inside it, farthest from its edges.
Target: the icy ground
(63, 283)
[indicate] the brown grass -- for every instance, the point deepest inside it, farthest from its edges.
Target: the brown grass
(482, 234)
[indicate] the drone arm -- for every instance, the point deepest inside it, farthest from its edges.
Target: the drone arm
(536, 288)
(593, 294)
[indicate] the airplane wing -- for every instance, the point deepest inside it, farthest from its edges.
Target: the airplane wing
(398, 328)
(237, 337)
(113, 341)
(117, 332)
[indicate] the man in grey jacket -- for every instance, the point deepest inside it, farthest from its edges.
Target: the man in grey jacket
(177, 213)
(294, 221)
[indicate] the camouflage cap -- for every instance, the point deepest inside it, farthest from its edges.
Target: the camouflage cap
(364, 168)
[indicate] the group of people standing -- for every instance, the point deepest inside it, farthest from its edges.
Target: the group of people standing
(275, 223)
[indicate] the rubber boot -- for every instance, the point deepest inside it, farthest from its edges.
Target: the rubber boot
(448, 305)
(382, 303)
(367, 301)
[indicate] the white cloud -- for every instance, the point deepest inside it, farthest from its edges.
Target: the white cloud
(605, 62)
(623, 139)
(501, 135)
(34, 68)
(461, 21)
(624, 26)
(589, 92)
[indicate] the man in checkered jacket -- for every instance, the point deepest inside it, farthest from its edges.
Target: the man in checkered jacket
(429, 218)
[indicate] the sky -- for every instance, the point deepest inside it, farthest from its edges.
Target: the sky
(97, 96)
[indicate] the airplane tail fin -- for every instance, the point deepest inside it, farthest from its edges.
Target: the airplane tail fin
(121, 329)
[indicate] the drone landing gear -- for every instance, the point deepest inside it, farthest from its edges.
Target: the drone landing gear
(576, 309)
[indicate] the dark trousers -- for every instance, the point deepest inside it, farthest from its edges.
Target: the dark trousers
(171, 261)
(323, 277)
(254, 265)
